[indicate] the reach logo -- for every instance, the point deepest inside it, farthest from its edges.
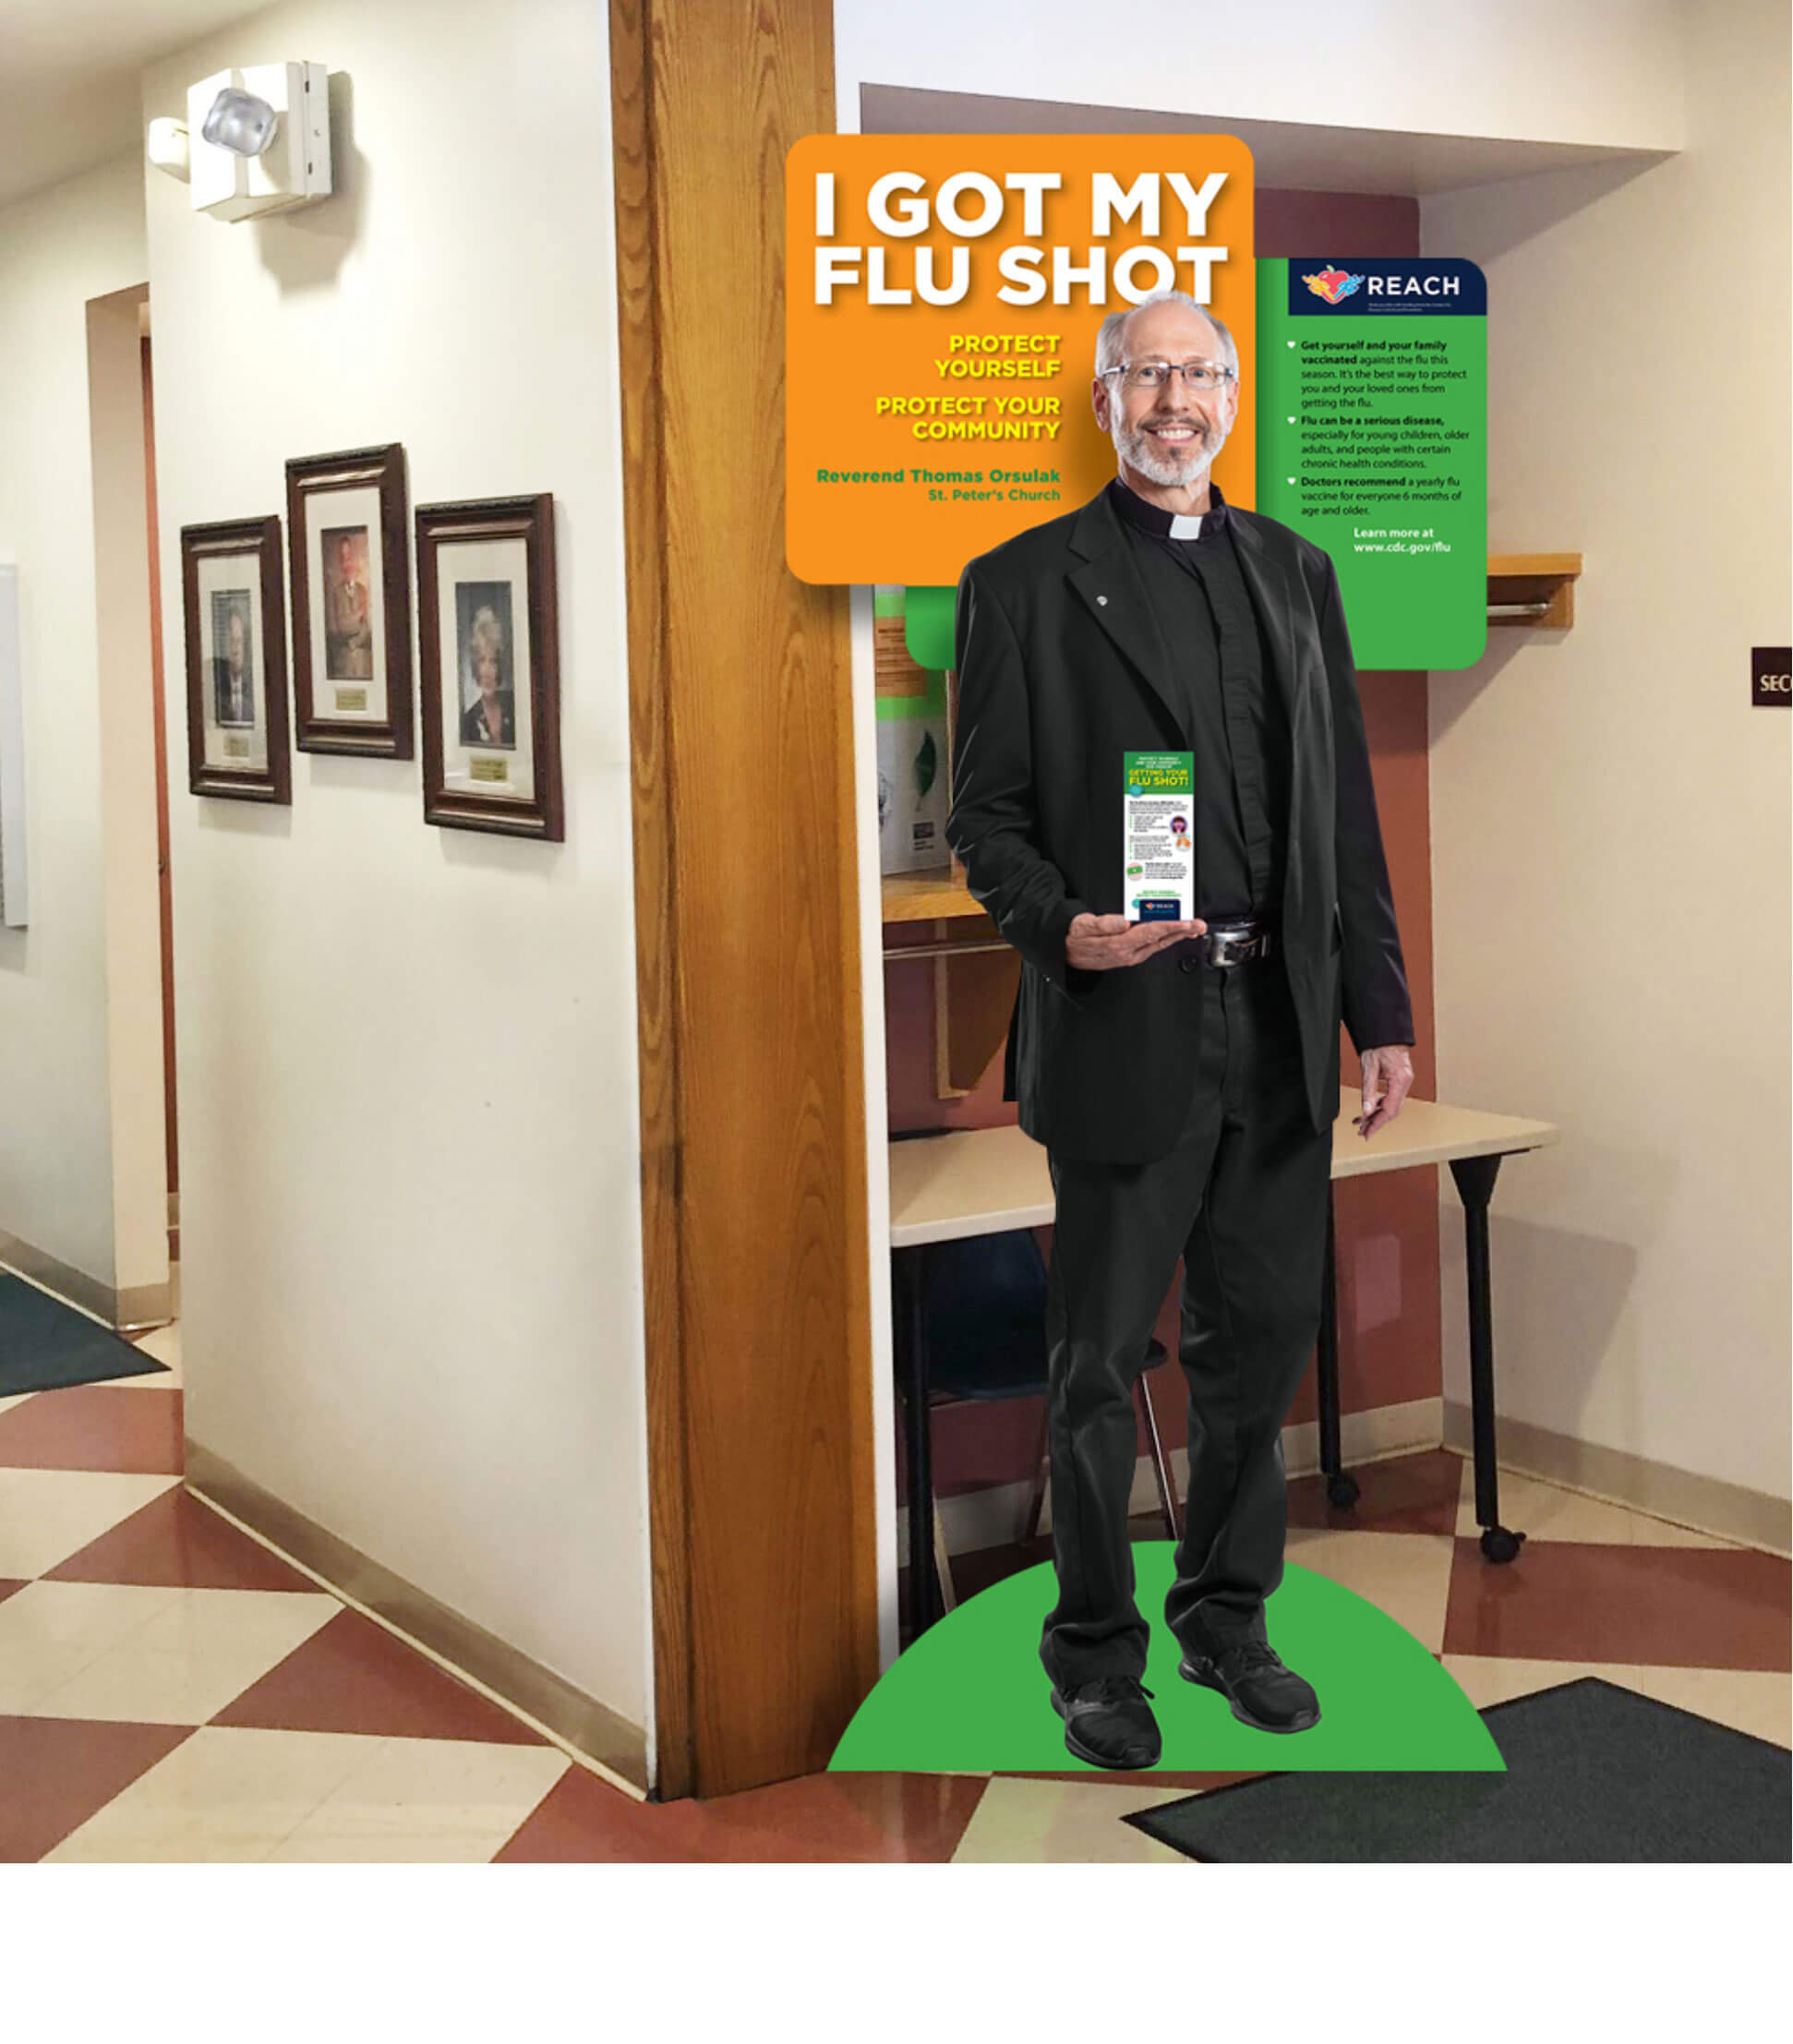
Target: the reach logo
(1333, 285)
(1321, 287)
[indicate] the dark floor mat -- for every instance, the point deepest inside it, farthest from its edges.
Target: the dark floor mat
(44, 1344)
(1594, 1773)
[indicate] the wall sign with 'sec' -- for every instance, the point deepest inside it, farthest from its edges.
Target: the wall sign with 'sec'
(1771, 676)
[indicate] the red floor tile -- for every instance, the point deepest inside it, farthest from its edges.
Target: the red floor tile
(1684, 1607)
(352, 1676)
(6, 1590)
(174, 1540)
(835, 1818)
(95, 1426)
(55, 1772)
(1414, 1494)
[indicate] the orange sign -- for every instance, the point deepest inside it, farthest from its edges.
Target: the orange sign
(943, 294)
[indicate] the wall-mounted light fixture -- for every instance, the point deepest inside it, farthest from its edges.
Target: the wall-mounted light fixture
(255, 140)
(167, 147)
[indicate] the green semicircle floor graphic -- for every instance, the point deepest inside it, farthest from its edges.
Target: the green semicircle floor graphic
(970, 1696)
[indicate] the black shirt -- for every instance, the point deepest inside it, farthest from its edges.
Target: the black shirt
(1232, 714)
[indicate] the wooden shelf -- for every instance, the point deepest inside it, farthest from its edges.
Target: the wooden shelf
(938, 893)
(1538, 590)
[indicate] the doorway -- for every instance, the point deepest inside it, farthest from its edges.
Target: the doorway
(164, 876)
(134, 797)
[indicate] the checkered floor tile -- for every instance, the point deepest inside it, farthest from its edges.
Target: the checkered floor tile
(171, 1690)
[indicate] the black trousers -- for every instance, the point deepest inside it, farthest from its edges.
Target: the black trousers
(1242, 1197)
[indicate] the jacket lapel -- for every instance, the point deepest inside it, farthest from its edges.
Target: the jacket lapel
(1111, 586)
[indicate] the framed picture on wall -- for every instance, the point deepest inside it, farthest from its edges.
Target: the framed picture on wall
(346, 520)
(235, 621)
(489, 654)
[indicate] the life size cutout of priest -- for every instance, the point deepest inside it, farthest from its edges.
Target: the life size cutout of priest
(1182, 1075)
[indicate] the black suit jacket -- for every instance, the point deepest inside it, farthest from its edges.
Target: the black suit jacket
(220, 702)
(472, 722)
(1061, 668)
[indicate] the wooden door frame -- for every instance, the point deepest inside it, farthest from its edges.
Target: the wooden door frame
(756, 1252)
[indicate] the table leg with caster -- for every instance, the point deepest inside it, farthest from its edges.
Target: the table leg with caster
(911, 1345)
(1341, 1486)
(1476, 1177)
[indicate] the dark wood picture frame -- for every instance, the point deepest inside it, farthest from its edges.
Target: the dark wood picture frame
(260, 536)
(311, 475)
(530, 518)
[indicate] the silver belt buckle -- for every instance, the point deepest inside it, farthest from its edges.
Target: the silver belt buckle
(1227, 947)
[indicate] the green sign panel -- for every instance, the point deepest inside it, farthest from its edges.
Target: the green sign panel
(1372, 441)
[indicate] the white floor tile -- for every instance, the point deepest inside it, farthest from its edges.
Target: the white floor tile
(169, 1844)
(427, 1799)
(224, 1794)
(49, 1631)
(191, 1659)
(48, 1514)
(408, 1849)
(1405, 1575)
(1033, 1822)
(163, 1345)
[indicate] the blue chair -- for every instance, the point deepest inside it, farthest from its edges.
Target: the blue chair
(985, 1304)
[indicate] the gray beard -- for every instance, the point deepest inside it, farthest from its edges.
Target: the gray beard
(1157, 464)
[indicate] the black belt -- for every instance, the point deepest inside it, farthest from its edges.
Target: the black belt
(1230, 941)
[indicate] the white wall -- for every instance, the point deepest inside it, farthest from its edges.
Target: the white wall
(1587, 71)
(78, 240)
(407, 1056)
(1610, 816)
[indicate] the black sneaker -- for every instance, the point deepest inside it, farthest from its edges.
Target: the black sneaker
(1263, 1693)
(1109, 1723)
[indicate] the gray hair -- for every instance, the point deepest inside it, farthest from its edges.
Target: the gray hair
(1111, 336)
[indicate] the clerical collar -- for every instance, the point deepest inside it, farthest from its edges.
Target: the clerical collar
(1164, 524)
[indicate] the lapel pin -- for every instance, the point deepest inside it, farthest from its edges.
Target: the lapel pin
(1101, 599)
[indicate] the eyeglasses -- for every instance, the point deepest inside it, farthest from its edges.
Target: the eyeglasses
(1154, 376)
